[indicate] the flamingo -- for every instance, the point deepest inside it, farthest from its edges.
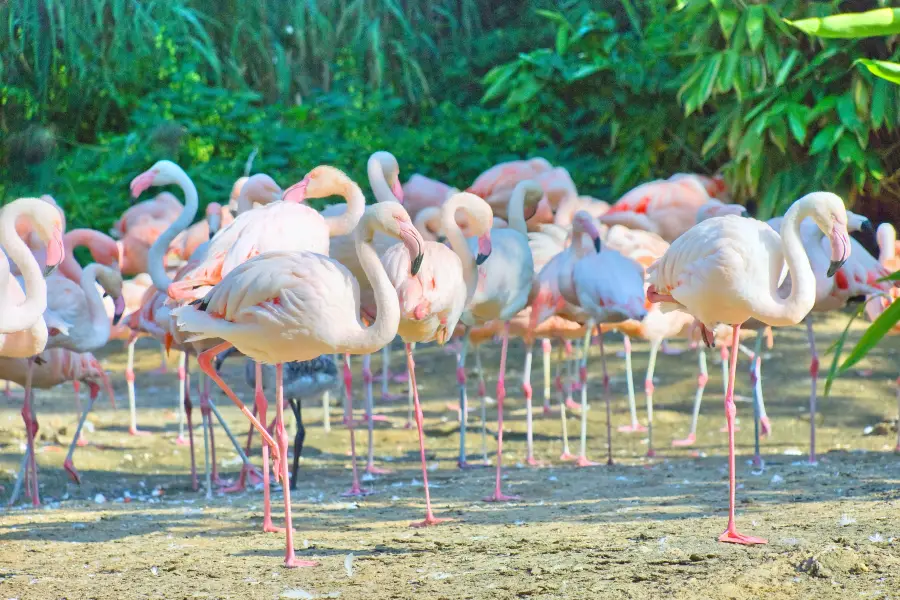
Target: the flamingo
(49, 369)
(498, 290)
(186, 242)
(420, 192)
(103, 249)
(23, 330)
(163, 207)
(287, 306)
(727, 270)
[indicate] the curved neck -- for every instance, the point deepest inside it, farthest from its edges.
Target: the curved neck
(515, 212)
(378, 183)
(155, 266)
(566, 211)
(887, 247)
(387, 320)
(78, 238)
(26, 314)
(346, 222)
(458, 241)
(794, 308)
(100, 324)
(424, 222)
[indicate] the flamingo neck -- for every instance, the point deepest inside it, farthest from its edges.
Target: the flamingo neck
(458, 241)
(778, 311)
(365, 340)
(23, 316)
(160, 247)
(100, 325)
(515, 212)
(81, 237)
(346, 222)
(377, 181)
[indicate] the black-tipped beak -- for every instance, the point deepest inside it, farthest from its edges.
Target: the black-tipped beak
(416, 264)
(479, 260)
(212, 234)
(745, 213)
(116, 318)
(442, 239)
(867, 227)
(597, 244)
(834, 266)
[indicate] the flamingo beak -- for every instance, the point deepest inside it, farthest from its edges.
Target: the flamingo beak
(840, 248)
(215, 221)
(414, 243)
(397, 189)
(118, 310)
(297, 192)
(142, 182)
(484, 248)
(55, 251)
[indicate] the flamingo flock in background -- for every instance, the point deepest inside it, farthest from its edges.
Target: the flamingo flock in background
(519, 254)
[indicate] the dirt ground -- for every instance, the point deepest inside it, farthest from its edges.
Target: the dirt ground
(641, 529)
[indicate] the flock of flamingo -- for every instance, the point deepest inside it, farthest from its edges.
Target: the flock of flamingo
(518, 254)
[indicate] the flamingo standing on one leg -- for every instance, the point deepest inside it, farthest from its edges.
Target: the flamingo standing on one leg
(286, 306)
(727, 270)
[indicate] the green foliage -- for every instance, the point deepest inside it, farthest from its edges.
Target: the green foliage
(883, 21)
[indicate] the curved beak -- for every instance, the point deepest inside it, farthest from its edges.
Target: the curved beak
(484, 248)
(118, 309)
(297, 192)
(414, 243)
(141, 183)
(442, 239)
(840, 248)
(597, 245)
(55, 251)
(397, 190)
(867, 227)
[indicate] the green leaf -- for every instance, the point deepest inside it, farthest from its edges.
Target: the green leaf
(727, 21)
(826, 139)
(725, 81)
(786, 67)
(838, 347)
(556, 17)
(882, 68)
(877, 330)
(715, 136)
(849, 151)
(796, 122)
(883, 21)
(823, 106)
(498, 77)
(778, 133)
(879, 99)
(756, 20)
(708, 79)
(562, 39)
(846, 109)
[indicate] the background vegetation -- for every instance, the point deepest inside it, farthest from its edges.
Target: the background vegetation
(618, 91)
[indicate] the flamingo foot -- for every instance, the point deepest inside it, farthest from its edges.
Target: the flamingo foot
(572, 405)
(533, 462)
(356, 492)
(548, 411)
(388, 397)
(408, 425)
(758, 462)
(633, 428)
(651, 453)
(180, 441)
(429, 521)
(271, 528)
(72, 471)
(566, 456)
(499, 497)
(690, 440)
(733, 537)
(725, 429)
(239, 486)
(136, 431)
(765, 426)
(375, 418)
(373, 470)
(401, 377)
(82, 442)
(582, 461)
(255, 478)
(160, 370)
(294, 563)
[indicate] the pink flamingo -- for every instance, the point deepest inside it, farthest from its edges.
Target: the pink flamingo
(23, 330)
(163, 207)
(421, 192)
(103, 249)
(498, 290)
(186, 242)
(51, 368)
(288, 306)
(727, 270)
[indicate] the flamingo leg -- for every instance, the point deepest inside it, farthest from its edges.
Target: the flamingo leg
(129, 380)
(205, 423)
(724, 354)
(757, 397)
(731, 535)
(702, 378)
(182, 374)
(81, 440)
(262, 406)
(547, 349)
(20, 478)
(163, 367)
(430, 519)
(355, 489)
(897, 385)
(409, 400)
(188, 410)
(529, 412)
(370, 418)
(573, 385)
(582, 460)
(813, 374)
(290, 559)
(299, 437)
(482, 394)
(566, 454)
(207, 383)
(68, 465)
(635, 425)
(326, 411)
(247, 465)
(348, 389)
(498, 496)
(385, 371)
(31, 429)
(462, 463)
(241, 483)
(648, 391)
(7, 392)
(609, 451)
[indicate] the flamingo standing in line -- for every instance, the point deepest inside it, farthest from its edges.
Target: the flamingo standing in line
(287, 306)
(501, 290)
(51, 368)
(727, 270)
(432, 298)
(23, 330)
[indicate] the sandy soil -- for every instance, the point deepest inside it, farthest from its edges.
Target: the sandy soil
(640, 529)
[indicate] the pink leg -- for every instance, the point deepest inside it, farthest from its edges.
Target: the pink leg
(561, 390)
(501, 394)
(725, 360)
(813, 374)
(182, 385)
(547, 349)
(731, 535)
(31, 429)
(348, 390)
(702, 379)
(371, 418)
(635, 426)
(582, 460)
(7, 391)
(188, 409)
(76, 387)
(163, 368)
(609, 455)
(262, 406)
(529, 417)
(129, 380)
(290, 560)
(241, 484)
(207, 383)
(429, 516)
(355, 489)
(68, 463)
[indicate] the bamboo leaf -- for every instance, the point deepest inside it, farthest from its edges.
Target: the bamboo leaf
(838, 347)
(882, 21)
(877, 330)
(826, 139)
(889, 71)
(786, 67)
(756, 20)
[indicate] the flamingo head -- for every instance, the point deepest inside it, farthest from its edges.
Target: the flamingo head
(484, 247)
(828, 212)
(164, 172)
(392, 219)
(47, 224)
(321, 182)
(214, 218)
(583, 222)
(390, 169)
